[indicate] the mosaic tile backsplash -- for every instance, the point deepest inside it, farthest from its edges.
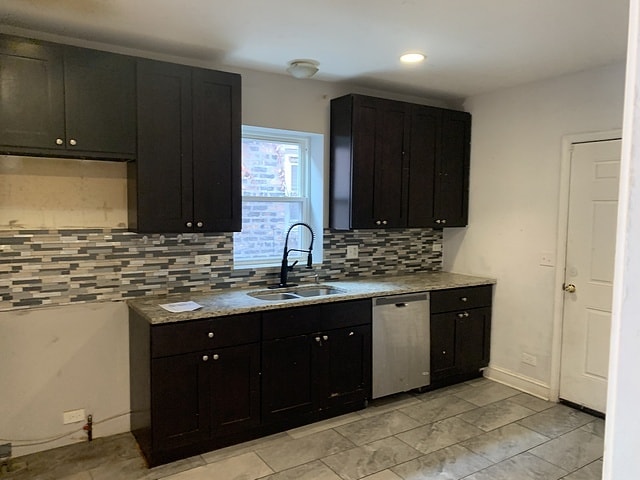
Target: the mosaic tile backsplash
(58, 267)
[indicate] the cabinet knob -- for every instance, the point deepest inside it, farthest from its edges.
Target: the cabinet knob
(205, 358)
(463, 299)
(199, 224)
(444, 220)
(438, 221)
(444, 352)
(59, 141)
(73, 142)
(325, 337)
(216, 356)
(351, 334)
(210, 335)
(189, 224)
(378, 222)
(463, 315)
(384, 222)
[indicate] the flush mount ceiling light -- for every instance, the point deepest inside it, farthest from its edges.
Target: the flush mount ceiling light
(412, 57)
(303, 68)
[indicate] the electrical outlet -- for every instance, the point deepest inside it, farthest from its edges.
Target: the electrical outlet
(547, 259)
(529, 359)
(352, 252)
(73, 416)
(203, 259)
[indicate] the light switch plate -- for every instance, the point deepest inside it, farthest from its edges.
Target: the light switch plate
(352, 252)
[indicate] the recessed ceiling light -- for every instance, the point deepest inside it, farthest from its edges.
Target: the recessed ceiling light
(412, 58)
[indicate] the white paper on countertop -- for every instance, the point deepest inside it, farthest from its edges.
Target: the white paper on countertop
(181, 307)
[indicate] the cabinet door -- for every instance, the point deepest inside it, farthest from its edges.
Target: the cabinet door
(100, 102)
(344, 366)
(452, 182)
(379, 171)
(443, 345)
(162, 176)
(424, 145)
(235, 393)
(473, 337)
(288, 386)
(216, 151)
(180, 406)
(32, 100)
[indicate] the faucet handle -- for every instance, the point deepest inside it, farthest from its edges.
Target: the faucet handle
(290, 267)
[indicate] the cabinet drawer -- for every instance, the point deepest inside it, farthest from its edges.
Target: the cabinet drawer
(460, 298)
(290, 322)
(346, 314)
(184, 337)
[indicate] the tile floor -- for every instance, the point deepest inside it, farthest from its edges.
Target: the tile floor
(478, 430)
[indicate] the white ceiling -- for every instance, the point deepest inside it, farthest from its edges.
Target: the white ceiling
(473, 46)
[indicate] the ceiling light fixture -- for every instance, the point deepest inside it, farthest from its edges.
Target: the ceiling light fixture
(303, 68)
(412, 58)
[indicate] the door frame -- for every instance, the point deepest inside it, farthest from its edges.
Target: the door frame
(561, 247)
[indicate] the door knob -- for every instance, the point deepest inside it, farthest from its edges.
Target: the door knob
(569, 287)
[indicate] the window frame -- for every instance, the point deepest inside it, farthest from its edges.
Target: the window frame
(307, 143)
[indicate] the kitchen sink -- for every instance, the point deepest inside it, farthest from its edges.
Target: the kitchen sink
(273, 295)
(300, 292)
(318, 291)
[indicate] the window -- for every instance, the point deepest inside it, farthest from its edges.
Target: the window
(281, 185)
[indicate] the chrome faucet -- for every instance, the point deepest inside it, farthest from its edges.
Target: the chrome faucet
(285, 267)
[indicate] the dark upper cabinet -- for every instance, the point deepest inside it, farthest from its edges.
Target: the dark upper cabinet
(187, 174)
(395, 164)
(64, 101)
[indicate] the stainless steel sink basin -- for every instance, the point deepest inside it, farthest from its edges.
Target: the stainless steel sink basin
(273, 295)
(299, 292)
(317, 291)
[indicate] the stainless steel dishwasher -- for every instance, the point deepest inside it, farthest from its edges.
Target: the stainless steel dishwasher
(401, 343)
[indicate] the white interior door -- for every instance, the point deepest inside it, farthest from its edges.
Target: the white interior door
(593, 205)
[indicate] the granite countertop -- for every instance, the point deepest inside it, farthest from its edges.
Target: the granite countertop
(234, 301)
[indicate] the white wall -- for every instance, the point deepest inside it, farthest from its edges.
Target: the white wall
(58, 359)
(516, 149)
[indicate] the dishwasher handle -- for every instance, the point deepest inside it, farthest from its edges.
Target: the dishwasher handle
(401, 300)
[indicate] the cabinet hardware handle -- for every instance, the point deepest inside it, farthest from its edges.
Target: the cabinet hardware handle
(378, 222)
(463, 299)
(444, 220)
(438, 221)
(351, 334)
(460, 315)
(189, 224)
(210, 335)
(59, 141)
(317, 339)
(444, 352)
(216, 356)
(73, 142)
(384, 222)
(199, 224)
(325, 337)
(205, 358)
(466, 314)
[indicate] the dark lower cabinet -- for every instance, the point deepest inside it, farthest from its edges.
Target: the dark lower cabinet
(203, 384)
(460, 333)
(323, 370)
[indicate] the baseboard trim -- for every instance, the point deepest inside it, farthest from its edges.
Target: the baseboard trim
(521, 382)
